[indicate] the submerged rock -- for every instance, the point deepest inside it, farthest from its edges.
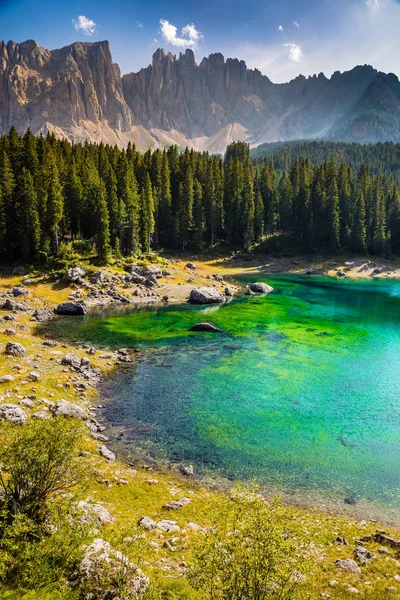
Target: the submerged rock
(261, 288)
(206, 327)
(206, 295)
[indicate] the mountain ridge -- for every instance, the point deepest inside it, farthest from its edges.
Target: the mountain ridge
(78, 92)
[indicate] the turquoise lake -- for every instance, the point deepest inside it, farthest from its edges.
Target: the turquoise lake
(301, 390)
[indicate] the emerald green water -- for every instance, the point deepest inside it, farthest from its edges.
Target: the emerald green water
(301, 391)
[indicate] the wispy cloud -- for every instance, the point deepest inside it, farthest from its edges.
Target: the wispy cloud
(82, 23)
(373, 3)
(295, 51)
(139, 24)
(296, 24)
(189, 37)
(280, 28)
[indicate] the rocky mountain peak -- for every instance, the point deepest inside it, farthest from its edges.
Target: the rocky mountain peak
(79, 92)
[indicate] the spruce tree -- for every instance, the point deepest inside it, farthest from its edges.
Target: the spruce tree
(358, 236)
(147, 214)
(28, 223)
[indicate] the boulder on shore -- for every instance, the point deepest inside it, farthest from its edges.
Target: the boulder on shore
(15, 349)
(75, 274)
(206, 295)
(206, 327)
(62, 408)
(72, 308)
(12, 413)
(261, 288)
(101, 563)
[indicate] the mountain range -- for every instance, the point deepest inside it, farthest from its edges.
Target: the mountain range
(79, 93)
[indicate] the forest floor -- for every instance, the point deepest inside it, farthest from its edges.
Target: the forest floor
(41, 377)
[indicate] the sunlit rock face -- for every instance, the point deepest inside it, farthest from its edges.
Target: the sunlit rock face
(79, 93)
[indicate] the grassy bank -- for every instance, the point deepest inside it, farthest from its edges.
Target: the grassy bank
(129, 494)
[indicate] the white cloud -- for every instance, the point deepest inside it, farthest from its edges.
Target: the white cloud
(295, 51)
(297, 24)
(189, 37)
(87, 26)
(373, 3)
(280, 28)
(139, 24)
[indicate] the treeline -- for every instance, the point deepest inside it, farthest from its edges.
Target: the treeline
(383, 158)
(125, 202)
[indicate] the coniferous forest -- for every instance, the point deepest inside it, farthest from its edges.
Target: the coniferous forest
(125, 202)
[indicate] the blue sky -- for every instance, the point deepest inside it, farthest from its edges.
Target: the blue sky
(282, 38)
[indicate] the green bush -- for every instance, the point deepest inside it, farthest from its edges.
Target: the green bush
(251, 556)
(38, 462)
(40, 534)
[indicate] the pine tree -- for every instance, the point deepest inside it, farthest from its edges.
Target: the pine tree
(99, 202)
(198, 216)
(358, 236)
(55, 201)
(332, 199)
(184, 214)
(165, 203)
(28, 223)
(379, 235)
(147, 214)
(258, 219)
(248, 208)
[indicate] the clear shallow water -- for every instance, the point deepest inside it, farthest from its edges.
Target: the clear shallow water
(301, 391)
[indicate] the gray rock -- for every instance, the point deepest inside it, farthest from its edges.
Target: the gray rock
(62, 408)
(15, 349)
(206, 327)
(26, 402)
(94, 513)
(75, 274)
(187, 470)
(228, 292)
(40, 415)
(347, 564)
(147, 523)
(12, 413)
(98, 277)
(191, 266)
(206, 295)
(20, 291)
(261, 288)
(50, 343)
(168, 526)
(136, 278)
(176, 504)
(362, 555)
(72, 308)
(101, 563)
(71, 360)
(107, 454)
(12, 305)
(7, 378)
(41, 315)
